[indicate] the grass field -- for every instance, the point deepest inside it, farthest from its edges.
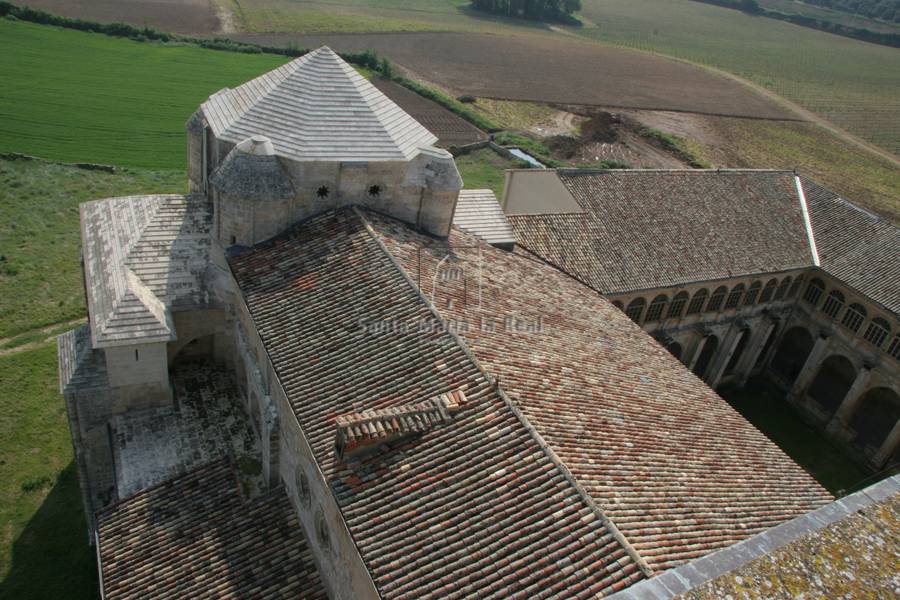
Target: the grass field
(40, 277)
(851, 83)
(44, 551)
(78, 97)
(483, 169)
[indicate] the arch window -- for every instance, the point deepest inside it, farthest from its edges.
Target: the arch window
(795, 287)
(697, 302)
(833, 304)
(894, 348)
(814, 291)
(635, 309)
(854, 317)
(752, 293)
(655, 310)
(877, 332)
(734, 298)
(768, 291)
(715, 301)
(677, 307)
(782, 288)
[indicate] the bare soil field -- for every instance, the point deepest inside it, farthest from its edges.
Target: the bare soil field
(176, 16)
(451, 129)
(548, 69)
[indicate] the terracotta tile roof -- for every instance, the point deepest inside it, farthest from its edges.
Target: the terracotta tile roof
(196, 537)
(647, 229)
(669, 461)
(857, 247)
(477, 507)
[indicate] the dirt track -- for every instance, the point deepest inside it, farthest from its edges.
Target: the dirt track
(547, 69)
(176, 16)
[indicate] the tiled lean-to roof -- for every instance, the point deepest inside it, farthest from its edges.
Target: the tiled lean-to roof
(195, 536)
(648, 229)
(475, 507)
(675, 468)
(317, 107)
(142, 256)
(859, 248)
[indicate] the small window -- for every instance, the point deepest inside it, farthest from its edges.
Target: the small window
(768, 291)
(877, 332)
(636, 309)
(833, 304)
(782, 288)
(734, 298)
(752, 293)
(233, 240)
(655, 311)
(136, 355)
(322, 192)
(854, 317)
(697, 302)
(374, 191)
(715, 301)
(677, 306)
(323, 535)
(304, 494)
(894, 348)
(814, 291)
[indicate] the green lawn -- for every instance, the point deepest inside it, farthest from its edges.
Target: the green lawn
(44, 551)
(484, 169)
(82, 97)
(854, 84)
(40, 277)
(765, 408)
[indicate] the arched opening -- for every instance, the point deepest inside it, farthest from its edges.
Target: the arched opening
(655, 310)
(635, 309)
(710, 345)
(876, 415)
(877, 332)
(752, 293)
(795, 287)
(768, 291)
(834, 302)
(770, 341)
(199, 349)
(854, 317)
(814, 291)
(738, 352)
(697, 302)
(676, 308)
(832, 382)
(675, 349)
(734, 298)
(619, 305)
(715, 301)
(795, 347)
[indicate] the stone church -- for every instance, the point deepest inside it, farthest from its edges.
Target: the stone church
(331, 371)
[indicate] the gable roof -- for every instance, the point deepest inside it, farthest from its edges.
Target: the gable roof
(195, 536)
(142, 256)
(674, 467)
(475, 507)
(644, 229)
(855, 246)
(479, 213)
(317, 107)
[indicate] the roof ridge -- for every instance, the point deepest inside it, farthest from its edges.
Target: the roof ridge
(589, 501)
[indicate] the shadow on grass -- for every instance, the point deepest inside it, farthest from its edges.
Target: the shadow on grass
(765, 407)
(51, 558)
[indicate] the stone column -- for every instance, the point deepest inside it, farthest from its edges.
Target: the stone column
(888, 447)
(721, 361)
(692, 354)
(745, 366)
(810, 368)
(838, 423)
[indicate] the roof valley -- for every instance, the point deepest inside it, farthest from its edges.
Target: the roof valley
(510, 404)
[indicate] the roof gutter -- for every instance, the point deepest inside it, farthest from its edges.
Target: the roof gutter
(806, 221)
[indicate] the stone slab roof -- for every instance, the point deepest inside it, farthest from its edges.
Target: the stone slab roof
(857, 247)
(195, 536)
(645, 229)
(674, 467)
(479, 213)
(847, 549)
(81, 368)
(477, 507)
(317, 108)
(143, 255)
